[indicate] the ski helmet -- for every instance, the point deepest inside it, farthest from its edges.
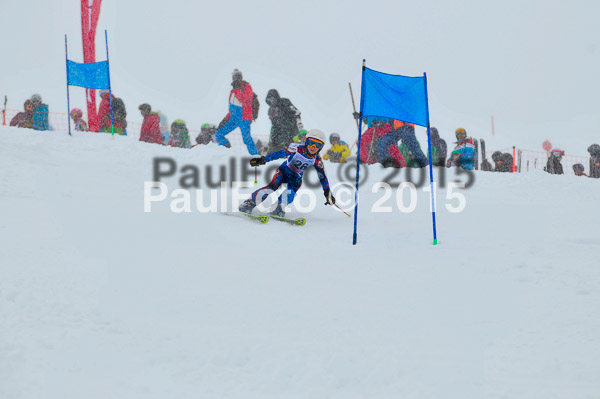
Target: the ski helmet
(315, 138)
(460, 132)
(557, 152)
(578, 169)
(36, 98)
(76, 112)
(334, 136)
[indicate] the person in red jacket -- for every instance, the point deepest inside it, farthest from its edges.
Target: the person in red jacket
(369, 138)
(119, 114)
(150, 131)
(24, 119)
(240, 113)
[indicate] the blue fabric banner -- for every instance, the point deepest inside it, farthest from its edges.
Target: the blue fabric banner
(91, 76)
(394, 96)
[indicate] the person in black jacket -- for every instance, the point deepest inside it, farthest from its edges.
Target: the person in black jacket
(285, 120)
(594, 151)
(441, 146)
(503, 162)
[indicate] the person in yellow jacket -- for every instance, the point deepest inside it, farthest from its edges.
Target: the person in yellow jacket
(338, 151)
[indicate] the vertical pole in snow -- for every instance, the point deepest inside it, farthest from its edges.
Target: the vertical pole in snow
(514, 169)
(68, 100)
(493, 125)
(112, 122)
(360, 123)
(430, 164)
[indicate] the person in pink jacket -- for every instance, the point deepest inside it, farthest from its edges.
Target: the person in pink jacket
(240, 113)
(150, 131)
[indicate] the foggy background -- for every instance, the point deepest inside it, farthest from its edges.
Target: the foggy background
(531, 64)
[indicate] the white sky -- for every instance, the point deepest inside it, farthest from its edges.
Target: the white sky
(531, 64)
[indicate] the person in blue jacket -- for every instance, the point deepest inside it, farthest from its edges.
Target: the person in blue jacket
(299, 158)
(40, 113)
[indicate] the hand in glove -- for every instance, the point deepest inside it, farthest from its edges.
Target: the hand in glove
(356, 115)
(258, 161)
(329, 197)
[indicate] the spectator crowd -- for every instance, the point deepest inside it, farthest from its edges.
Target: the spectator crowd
(388, 142)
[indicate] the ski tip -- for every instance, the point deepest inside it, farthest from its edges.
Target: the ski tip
(301, 222)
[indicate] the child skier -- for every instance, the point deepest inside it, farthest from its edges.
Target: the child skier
(464, 152)
(299, 158)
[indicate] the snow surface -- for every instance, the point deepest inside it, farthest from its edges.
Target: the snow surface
(99, 299)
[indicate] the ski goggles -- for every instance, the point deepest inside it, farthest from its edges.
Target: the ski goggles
(312, 142)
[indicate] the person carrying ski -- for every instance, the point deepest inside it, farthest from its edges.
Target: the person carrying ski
(240, 113)
(299, 158)
(464, 152)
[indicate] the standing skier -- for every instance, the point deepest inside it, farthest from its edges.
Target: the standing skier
(299, 158)
(240, 113)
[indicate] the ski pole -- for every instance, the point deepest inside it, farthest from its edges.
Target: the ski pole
(354, 107)
(336, 205)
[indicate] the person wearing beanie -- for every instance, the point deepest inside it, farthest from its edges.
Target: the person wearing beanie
(594, 151)
(285, 121)
(40, 113)
(240, 113)
(24, 119)
(150, 131)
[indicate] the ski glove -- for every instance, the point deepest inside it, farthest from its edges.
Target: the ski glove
(329, 197)
(257, 161)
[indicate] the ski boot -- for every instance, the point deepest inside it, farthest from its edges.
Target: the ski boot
(279, 211)
(247, 206)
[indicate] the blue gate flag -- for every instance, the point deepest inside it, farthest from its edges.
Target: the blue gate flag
(91, 76)
(398, 97)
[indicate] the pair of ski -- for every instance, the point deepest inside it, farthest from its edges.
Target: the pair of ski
(265, 218)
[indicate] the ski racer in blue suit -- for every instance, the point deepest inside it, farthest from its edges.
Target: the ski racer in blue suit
(299, 158)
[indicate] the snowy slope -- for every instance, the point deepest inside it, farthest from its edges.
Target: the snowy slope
(99, 299)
